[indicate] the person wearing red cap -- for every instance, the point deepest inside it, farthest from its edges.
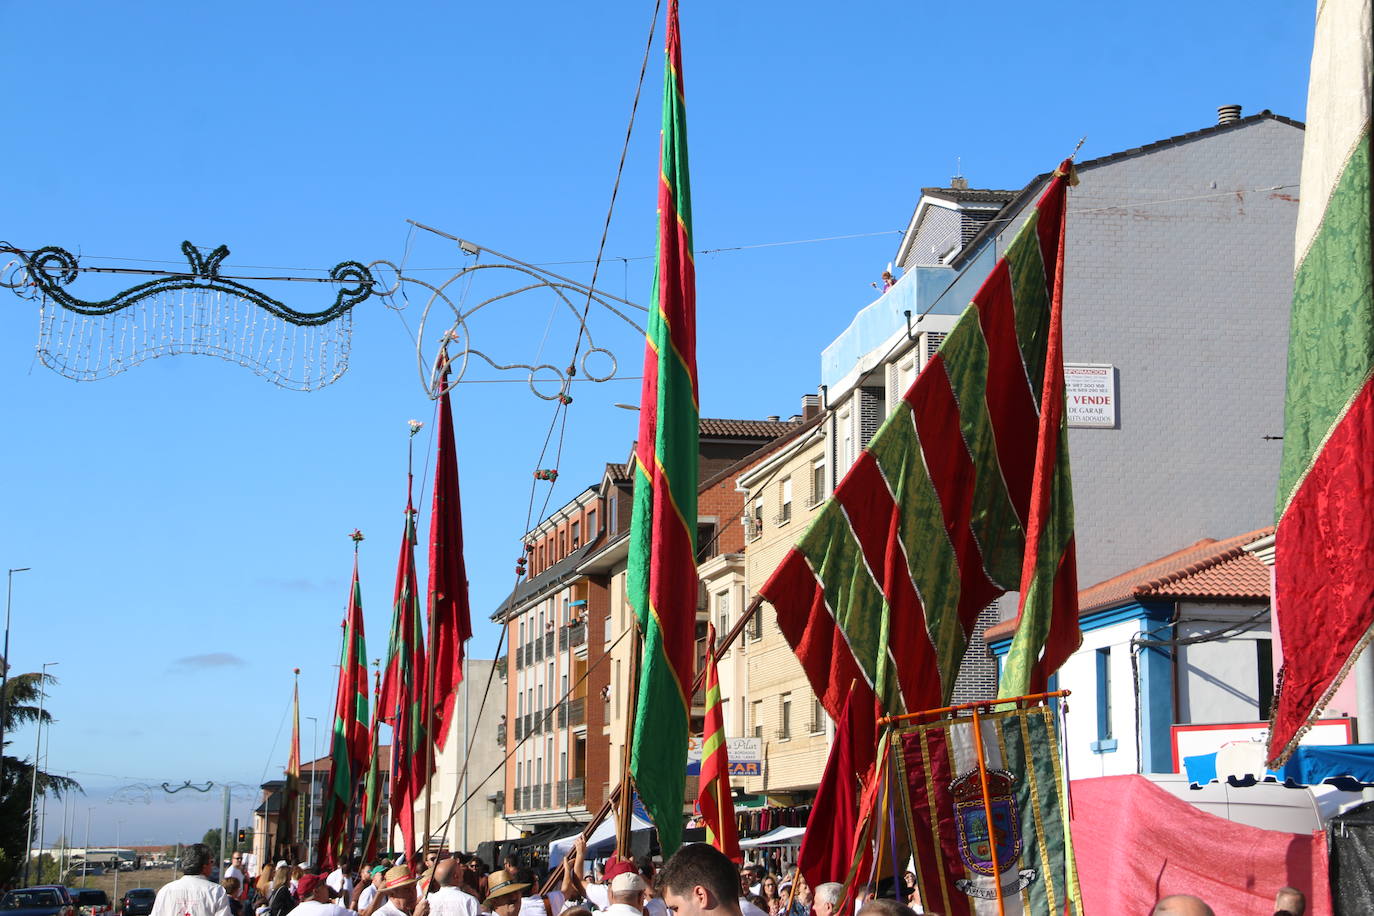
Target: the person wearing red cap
(317, 899)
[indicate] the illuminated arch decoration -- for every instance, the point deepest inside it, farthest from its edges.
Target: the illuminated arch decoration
(196, 312)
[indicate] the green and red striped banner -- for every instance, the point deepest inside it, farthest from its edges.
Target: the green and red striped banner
(933, 521)
(449, 613)
(291, 794)
(714, 801)
(349, 747)
(1027, 851)
(662, 572)
(1324, 542)
(372, 785)
(403, 691)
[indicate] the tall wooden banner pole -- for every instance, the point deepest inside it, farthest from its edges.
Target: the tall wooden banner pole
(624, 819)
(987, 812)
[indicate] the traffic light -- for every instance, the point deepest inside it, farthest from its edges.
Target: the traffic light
(243, 835)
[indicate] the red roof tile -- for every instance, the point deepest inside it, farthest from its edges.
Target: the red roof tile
(1209, 570)
(747, 429)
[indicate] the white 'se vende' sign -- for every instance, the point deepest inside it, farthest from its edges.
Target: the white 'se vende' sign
(1090, 395)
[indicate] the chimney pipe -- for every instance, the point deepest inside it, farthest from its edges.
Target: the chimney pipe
(1228, 113)
(773, 419)
(959, 183)
(811, 405)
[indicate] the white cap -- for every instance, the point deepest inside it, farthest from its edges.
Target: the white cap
(281, 863)
(628, 882)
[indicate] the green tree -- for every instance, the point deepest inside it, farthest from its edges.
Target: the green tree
(211, 839)
(44, 870)
(19, 705)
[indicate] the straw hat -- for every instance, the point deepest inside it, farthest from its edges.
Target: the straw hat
(397, 877)
(504, 889)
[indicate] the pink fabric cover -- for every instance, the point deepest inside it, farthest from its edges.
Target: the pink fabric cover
(1136, 843)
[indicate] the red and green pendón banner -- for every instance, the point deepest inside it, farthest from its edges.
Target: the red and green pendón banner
(403, 688)
(962, 495)
(1324, 542)
(662, 575)
(714, 800)
(349, 747)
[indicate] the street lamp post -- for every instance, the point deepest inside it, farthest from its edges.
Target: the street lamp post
(314, 766)
(38, 745)
(5, 667)
(119, 860)
(86, 858)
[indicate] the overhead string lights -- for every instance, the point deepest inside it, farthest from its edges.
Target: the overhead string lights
(197, 311)
(202, 310)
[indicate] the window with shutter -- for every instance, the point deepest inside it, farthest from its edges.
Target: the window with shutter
(931, 345)
(870, 413)
(817, 482)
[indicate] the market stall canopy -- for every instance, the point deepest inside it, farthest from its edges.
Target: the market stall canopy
(782, 836)
(1349, 767)
(599, 845)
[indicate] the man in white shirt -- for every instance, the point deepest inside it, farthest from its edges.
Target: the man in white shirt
(235, 869)
(193, 894)
(316, 899)
(504, 896)
(398, 884)
(627, 895)
(370, 891)
(340, 880)
(450, 899)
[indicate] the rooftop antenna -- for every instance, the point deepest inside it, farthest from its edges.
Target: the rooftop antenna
(958, 181)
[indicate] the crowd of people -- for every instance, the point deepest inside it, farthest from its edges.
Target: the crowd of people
(698, 880)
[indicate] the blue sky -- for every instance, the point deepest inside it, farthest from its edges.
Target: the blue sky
(187, 521)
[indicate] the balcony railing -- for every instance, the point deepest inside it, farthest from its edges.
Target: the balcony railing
(539, 649)
(501, 667)
(519, 657)
(577, 634)
(548, 795)
(501, 734)
(519, 728)
(576, 791)
(529, 721)
(549, 643)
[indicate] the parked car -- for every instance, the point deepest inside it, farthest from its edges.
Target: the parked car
(42, 900)
(137, 902)
(91, 901)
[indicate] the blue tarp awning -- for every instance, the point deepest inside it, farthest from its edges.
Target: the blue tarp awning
(1349, 767)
